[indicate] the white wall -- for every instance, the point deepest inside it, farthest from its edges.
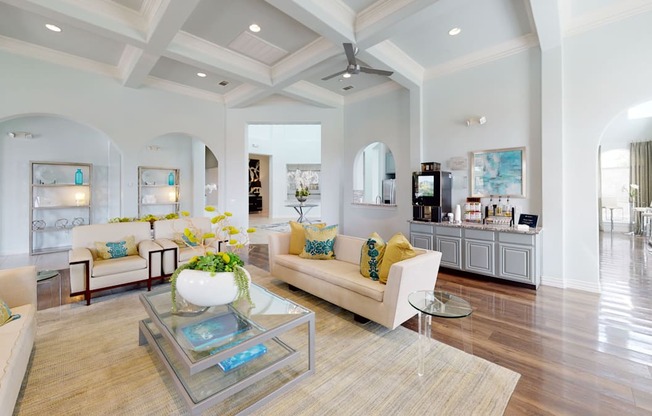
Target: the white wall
(600, 82)
(385, 119)
(128, 117)
(507, 93)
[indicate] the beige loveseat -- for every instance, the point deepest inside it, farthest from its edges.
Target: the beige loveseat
(340, 282)
(18, 290)
(90, 273)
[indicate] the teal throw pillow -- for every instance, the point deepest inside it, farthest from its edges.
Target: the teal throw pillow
(320, 243)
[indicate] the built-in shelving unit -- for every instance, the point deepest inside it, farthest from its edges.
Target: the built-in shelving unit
(60, 198)
(158, 191)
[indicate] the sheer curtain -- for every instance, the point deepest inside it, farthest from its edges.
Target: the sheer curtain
(640, 156)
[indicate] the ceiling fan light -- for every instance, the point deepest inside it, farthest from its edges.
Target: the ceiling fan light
(455, 31)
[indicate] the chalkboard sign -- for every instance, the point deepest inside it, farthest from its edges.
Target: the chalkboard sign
(529, 220)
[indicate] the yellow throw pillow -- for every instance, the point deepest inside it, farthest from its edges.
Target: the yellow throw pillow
(371, 256)
(116, 249)
(320, 243)
(5, 313)
(398, 248)
(298, 236)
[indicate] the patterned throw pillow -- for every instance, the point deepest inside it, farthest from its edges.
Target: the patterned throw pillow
(182, 241)
(398, 249)
(5, 313)
(371, 256)
(117, 249)
(320, 243)
(298, 236)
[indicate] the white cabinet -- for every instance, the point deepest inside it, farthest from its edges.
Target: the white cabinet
(60, 198)
(158, 191)
(503, 254)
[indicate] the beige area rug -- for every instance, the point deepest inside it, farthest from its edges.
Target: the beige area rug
(87, 361)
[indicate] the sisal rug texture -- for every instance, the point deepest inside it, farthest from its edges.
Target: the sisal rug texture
(87, 361)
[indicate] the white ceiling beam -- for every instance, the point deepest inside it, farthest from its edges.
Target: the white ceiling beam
(407, 72)
(547, 22)
(246, 94)
(164, 24)
(99, 17)
(386, 18)
(198, 52)
(332, 19)
(312, 94)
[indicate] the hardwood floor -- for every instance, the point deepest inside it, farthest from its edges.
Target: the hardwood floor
(578, 353)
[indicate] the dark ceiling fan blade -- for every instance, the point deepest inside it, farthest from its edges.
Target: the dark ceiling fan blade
(349, 50)
(375, 71)
(333, 76)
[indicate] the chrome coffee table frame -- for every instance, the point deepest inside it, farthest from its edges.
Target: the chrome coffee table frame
(186, 366)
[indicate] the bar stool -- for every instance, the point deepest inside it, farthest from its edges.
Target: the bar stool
(646, 217)
(610, 203)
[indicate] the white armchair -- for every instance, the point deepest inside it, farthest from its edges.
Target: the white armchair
(90, 273)
(168, 234)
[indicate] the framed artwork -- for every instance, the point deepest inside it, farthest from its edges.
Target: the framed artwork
(498, 172)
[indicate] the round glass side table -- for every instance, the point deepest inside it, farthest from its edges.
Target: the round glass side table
(436, 303)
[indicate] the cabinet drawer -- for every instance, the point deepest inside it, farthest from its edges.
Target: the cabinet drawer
(514, 238)
(421, 228)
(480, 235)
(449, 231)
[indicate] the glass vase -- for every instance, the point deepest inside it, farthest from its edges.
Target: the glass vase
(79, 177)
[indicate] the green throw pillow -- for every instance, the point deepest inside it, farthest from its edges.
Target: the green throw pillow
(320, 243)
(5, 313)
(116, 249)
(371, 256)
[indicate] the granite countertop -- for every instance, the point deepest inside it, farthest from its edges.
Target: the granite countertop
(478, 226)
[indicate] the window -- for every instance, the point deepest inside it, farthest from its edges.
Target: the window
(615, 182)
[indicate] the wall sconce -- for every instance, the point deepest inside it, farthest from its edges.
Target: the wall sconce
(479, 120)
(80, 197)
(20, 135)
(172, 196)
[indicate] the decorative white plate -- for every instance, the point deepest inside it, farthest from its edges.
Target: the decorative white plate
(149, 178)
(45, 175)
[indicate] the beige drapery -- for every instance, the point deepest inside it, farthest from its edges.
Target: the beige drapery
(640, 173)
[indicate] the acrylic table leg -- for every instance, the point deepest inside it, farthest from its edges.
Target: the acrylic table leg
(425, 322)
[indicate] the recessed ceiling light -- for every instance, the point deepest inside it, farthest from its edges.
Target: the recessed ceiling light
(201, 75)
(455, 31)
(346, 75)
(254, 28)
(53, 28)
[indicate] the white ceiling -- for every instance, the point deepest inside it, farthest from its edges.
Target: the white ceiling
(163, 43)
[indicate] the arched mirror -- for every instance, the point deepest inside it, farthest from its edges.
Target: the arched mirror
(374, 176)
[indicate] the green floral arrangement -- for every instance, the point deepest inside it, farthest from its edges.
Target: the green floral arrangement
(302, 191)
(209, 258)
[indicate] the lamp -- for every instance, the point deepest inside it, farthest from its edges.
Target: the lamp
(80, 197)
(479, 120)
(172, 195)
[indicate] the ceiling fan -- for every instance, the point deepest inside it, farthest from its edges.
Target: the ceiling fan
(353, 67)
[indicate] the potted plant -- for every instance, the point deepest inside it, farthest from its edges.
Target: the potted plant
(212, 277)
(302, 193)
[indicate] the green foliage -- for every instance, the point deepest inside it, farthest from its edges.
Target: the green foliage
(302, 191)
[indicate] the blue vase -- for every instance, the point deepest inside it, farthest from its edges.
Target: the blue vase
(79, 177)
(171, 178)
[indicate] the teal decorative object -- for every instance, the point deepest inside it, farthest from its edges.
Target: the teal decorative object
(79, 177)
(171, 178)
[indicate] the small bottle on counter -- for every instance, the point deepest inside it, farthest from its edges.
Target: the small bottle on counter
(499, 207)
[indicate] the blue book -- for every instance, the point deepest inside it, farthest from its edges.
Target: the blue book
(214, 331)
(243, 357)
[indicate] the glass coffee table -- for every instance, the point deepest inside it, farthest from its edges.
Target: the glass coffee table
(232, 354)
(431, 303)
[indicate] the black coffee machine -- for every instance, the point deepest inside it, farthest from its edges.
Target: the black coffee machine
(431, 195)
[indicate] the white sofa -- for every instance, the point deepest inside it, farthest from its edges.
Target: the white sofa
(340, 282)
(18, 290)
(90, 273)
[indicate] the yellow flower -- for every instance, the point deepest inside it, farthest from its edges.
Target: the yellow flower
(194, 259)
(218, 218)
(185, 213)
(233, 231)
(210, 208)
(208, 235)
(251, 230)
(233, 242)
(227, 213)
(226, 258)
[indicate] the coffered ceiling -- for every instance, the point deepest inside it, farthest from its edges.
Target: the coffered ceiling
(165, 43)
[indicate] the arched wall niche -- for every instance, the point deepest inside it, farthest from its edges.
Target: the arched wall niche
(374, 175)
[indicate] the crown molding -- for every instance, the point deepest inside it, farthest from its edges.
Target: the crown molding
(623, 9)
(193, 50)
(174, 87)
(382, 89)
(503, 50)
(29, 50)
(378, 11)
